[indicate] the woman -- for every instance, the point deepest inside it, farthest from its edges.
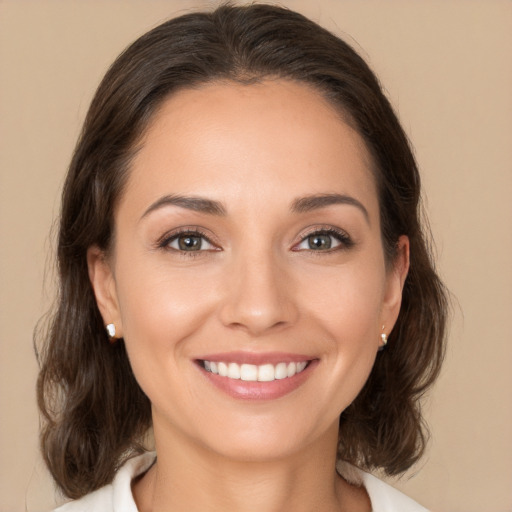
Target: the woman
(243, 270)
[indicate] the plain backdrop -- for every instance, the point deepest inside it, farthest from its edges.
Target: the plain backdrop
(447, 68)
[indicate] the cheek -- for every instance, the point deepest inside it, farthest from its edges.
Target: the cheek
(347, 307)
(160, 309)
(348, 301)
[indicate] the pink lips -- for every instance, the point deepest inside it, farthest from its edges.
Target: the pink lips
(257, 390)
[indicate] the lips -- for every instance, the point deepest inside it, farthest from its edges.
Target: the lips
(256, 376)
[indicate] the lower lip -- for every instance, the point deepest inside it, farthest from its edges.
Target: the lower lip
(250, 390)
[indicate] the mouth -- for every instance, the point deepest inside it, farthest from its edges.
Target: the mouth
(256, 376)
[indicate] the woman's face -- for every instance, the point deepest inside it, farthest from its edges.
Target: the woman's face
(248, 277)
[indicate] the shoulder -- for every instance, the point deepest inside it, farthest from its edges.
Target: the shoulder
(116, 497)
(383, 497)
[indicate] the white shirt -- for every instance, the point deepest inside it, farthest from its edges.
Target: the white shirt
(117, 497)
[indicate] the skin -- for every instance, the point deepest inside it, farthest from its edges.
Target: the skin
(257, 286)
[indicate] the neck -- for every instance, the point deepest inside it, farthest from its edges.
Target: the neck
(190, 477)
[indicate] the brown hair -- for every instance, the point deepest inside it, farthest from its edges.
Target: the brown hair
(95, 413)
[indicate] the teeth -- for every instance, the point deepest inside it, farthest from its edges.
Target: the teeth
(266, 373)
(252, 372)
(233, 371)
(248, 372)
(281, 371)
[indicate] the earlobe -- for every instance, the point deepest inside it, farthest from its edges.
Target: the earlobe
(103, 284)
(395, 284)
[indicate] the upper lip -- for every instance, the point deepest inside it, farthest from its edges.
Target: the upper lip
(256, 358)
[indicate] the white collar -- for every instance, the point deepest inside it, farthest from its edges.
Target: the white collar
(118, 496)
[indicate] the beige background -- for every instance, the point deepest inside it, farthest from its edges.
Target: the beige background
(448, 69)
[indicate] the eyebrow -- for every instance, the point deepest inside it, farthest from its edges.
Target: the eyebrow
(197, 204)
(211, 207)
(317, 201)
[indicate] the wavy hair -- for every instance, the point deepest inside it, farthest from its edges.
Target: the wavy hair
(94, 412)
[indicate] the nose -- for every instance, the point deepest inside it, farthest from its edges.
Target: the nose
(259, 297)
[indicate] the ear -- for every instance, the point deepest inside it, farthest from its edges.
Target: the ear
(395, 284)
(104, 286)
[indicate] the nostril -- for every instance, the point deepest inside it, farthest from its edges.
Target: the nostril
(258, 300)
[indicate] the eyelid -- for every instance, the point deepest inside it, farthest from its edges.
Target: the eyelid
(344, 239)
(164, 241)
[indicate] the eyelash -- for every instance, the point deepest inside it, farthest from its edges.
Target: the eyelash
(168, 238)
(345, 242)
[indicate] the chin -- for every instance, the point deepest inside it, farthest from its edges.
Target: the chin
(269, 438)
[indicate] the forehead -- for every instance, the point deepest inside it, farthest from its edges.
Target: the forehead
(272, 135)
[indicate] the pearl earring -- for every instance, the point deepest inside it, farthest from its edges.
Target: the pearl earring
(111, 330)
(384, 338)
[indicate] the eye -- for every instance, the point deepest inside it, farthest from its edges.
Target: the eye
(188, 241)
(324, 240)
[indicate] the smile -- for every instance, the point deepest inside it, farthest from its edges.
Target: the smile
(257, 376)
(255, 373)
